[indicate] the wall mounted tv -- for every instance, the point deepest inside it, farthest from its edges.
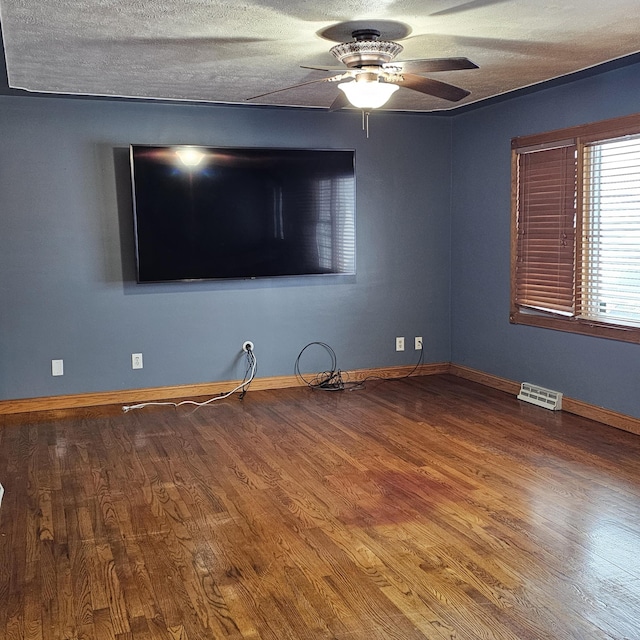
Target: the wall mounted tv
(205, 213)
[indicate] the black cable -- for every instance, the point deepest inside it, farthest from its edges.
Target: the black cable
(395, 378)
(332, 380)
(250, 370)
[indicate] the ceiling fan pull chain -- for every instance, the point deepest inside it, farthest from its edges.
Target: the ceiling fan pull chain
(365, 121)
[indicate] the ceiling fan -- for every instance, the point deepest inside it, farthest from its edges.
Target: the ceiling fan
(372, 75)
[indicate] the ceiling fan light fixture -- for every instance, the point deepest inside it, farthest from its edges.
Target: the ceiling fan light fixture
(368, 94)
(366, 52)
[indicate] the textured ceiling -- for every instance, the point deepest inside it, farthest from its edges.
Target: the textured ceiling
(221, 51)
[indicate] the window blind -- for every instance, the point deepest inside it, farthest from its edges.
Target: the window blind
(545, 230)
(611, 232)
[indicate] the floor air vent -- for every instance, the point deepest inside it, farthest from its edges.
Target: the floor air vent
(540, 396)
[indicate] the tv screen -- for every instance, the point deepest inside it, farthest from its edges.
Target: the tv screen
(209, 213)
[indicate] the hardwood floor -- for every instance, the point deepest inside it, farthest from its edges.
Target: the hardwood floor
(425, 508)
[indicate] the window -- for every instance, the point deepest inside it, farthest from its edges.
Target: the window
(575, 258)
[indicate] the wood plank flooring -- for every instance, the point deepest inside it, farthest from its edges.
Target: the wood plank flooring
(425, 508)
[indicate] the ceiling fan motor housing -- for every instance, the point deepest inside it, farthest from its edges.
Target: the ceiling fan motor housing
(366, 50)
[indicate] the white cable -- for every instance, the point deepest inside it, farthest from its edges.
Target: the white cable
(242, 386)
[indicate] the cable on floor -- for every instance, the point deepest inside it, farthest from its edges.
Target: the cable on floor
(334, 379)
(242, 388)
(330, 380)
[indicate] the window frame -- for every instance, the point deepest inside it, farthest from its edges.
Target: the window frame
(580, 136)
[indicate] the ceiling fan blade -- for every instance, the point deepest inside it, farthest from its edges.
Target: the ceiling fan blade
(465, 6)
(189, 49)
(193, 41)
(340, 102)
(522, 47)
(434, 64)
(431, 87)
(293, 86)
(342, 68)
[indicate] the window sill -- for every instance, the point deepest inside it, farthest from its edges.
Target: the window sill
(576, 325)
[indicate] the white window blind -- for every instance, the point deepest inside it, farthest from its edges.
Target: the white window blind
(610, 290)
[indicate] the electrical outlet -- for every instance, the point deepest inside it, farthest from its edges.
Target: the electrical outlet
(418, 343)
(400, 344)
(136, 361)
(57, 367)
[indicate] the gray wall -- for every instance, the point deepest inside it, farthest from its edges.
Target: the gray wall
(432, 214)
(66, 251)
(596, 370)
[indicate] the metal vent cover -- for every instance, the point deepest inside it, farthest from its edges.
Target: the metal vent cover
(540, 396)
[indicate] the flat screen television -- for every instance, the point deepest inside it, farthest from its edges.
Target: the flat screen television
(203, 213)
